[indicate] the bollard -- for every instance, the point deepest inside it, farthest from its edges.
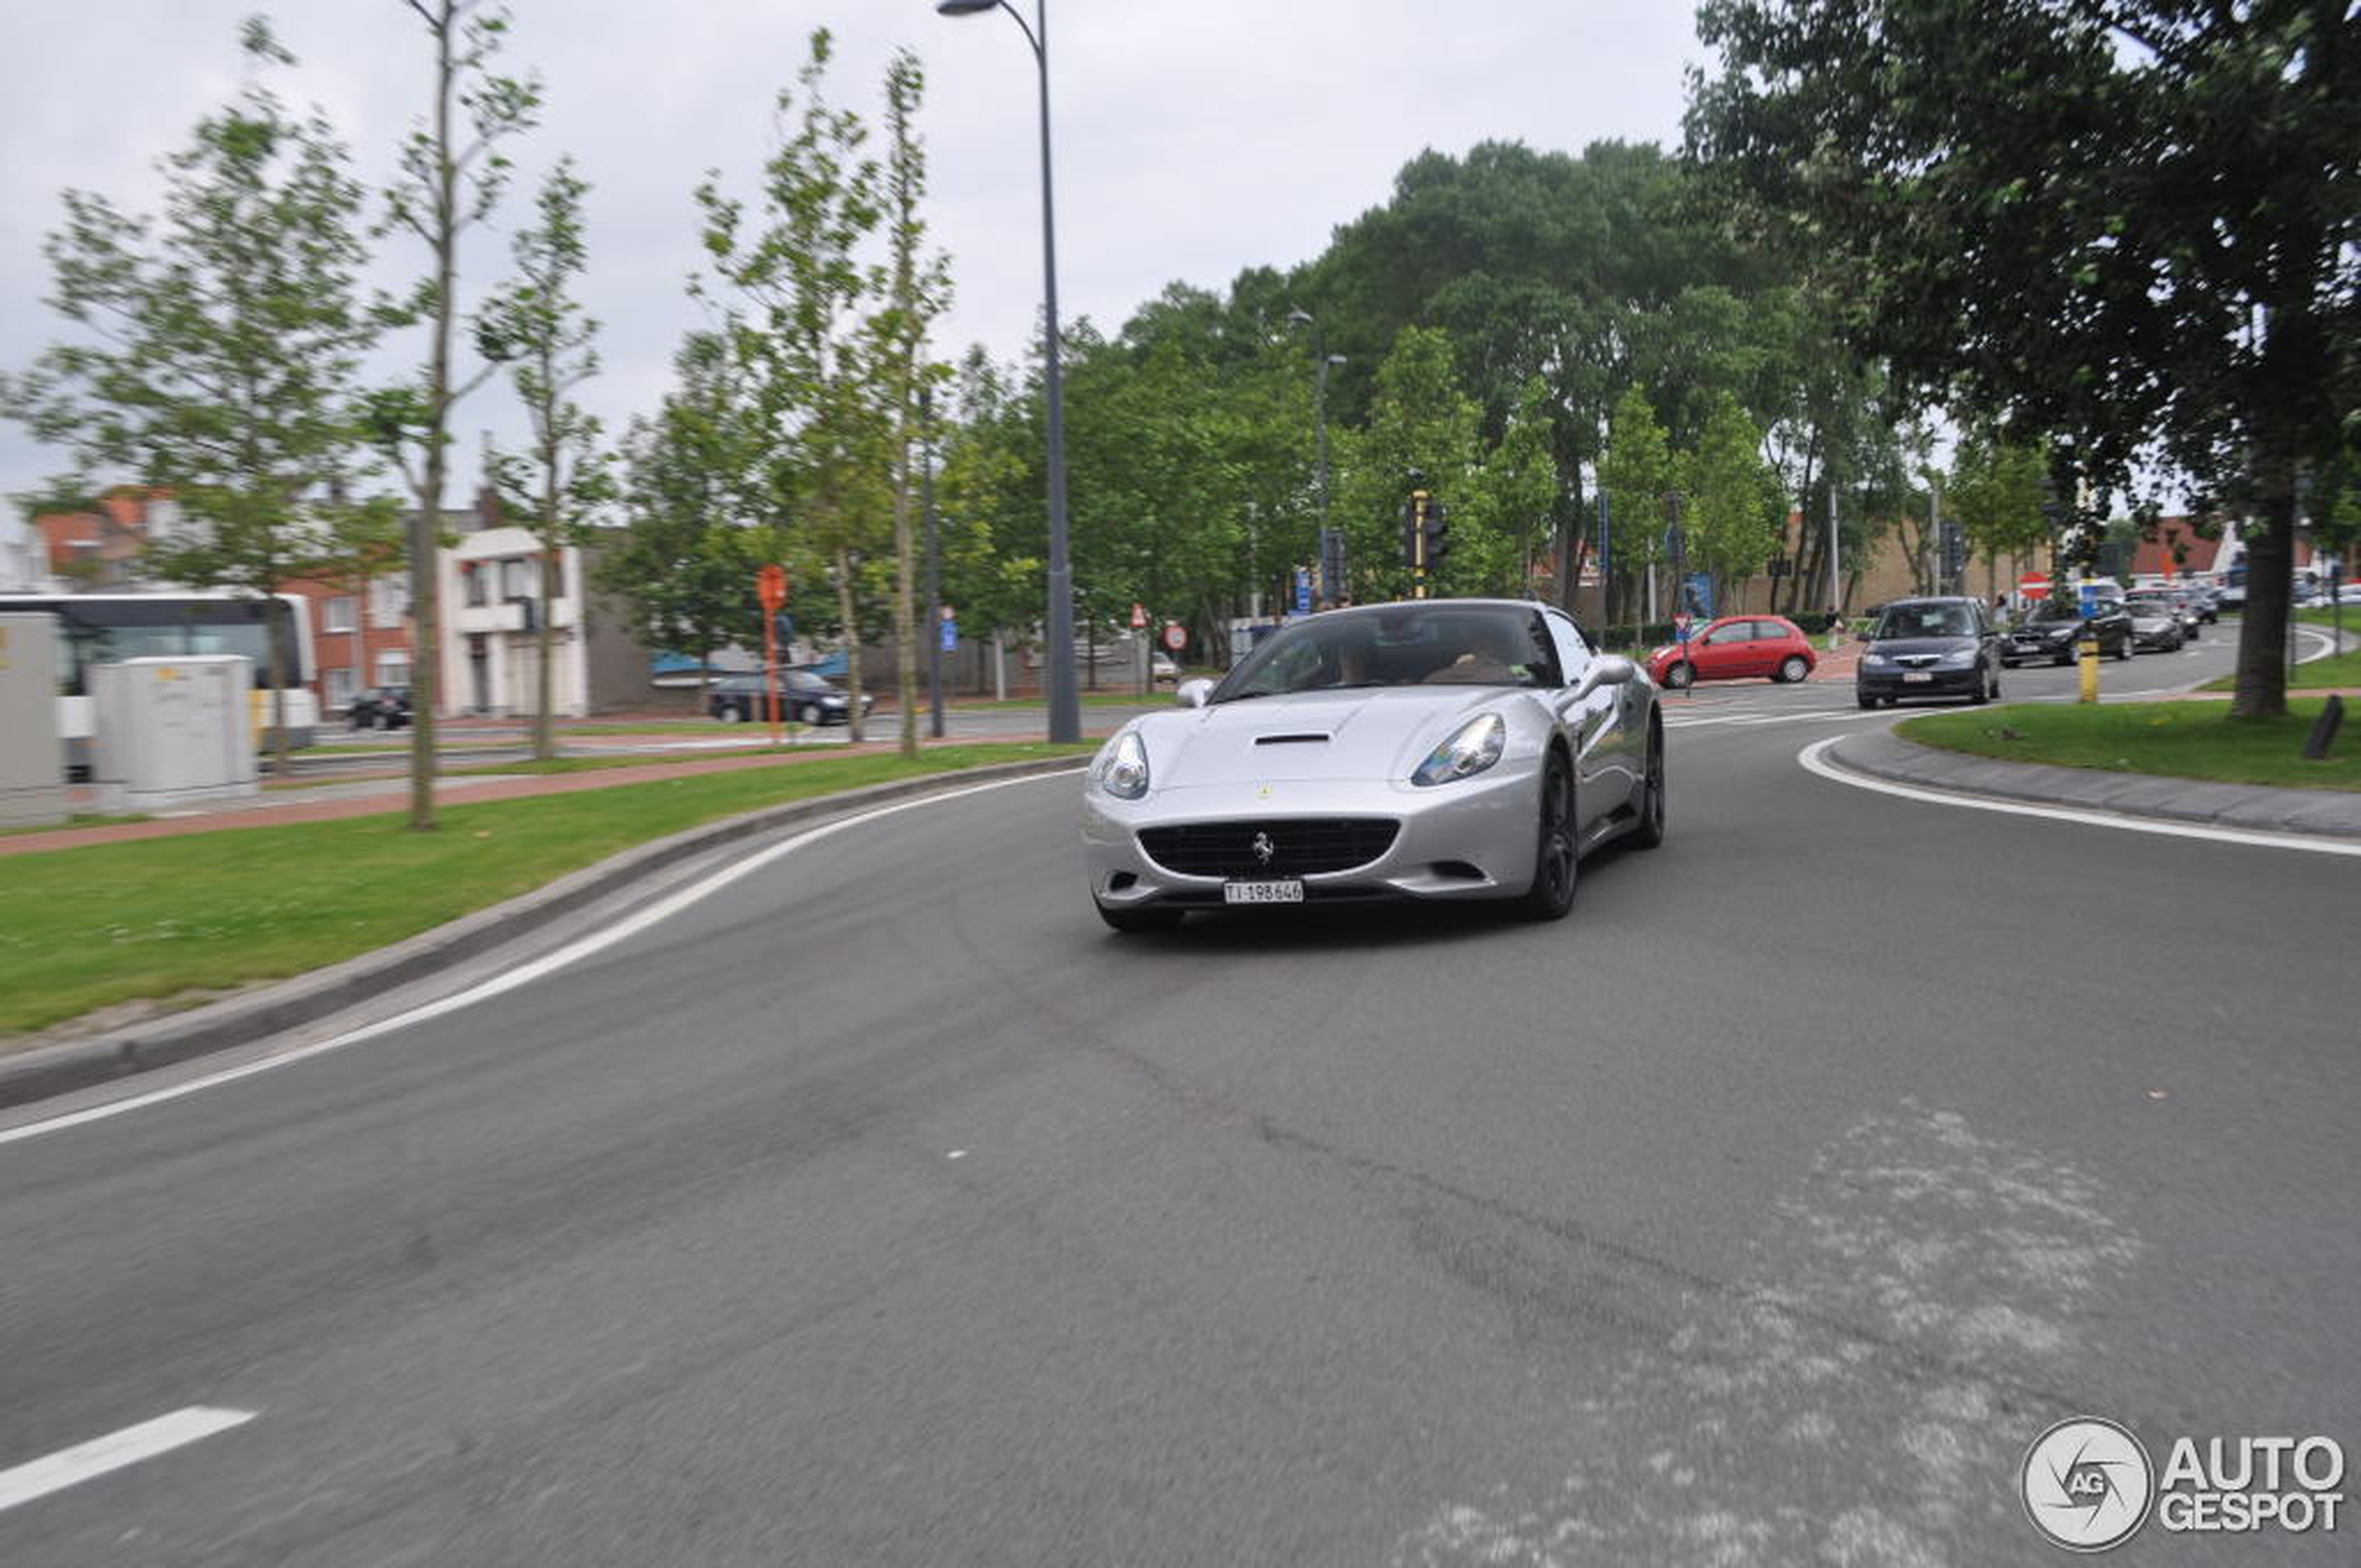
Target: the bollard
(2087, 651)
(2324, 729)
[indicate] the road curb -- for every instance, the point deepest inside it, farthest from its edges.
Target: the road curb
(48, 1071)
(2317, 813)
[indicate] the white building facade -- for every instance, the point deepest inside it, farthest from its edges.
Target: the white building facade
(492, 602)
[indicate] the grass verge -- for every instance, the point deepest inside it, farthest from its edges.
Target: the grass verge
(2313, 675)
(86, 927)
(2188, 740)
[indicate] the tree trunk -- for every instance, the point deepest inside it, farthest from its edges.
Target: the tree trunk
(2263, 631)
(906, 619)
(856, 727)
(545, 728)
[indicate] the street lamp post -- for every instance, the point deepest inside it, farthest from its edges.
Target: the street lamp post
(1065, 710)
(1320, 423)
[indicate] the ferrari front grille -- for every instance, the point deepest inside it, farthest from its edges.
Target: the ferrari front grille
(1287, 847)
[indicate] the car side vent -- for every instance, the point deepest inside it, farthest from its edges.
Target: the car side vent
(1287, 740)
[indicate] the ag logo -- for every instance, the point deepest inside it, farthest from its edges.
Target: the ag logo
(2086, 1484)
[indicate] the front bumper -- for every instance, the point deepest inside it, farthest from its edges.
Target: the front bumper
(1473, 840)
(1938, 682)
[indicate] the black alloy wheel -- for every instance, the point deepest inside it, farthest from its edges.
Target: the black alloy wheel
(1556, 863)
(1650, 831)
(1866, 700)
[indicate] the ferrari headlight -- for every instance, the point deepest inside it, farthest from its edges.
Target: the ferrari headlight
(1126, 775)
(1472, 747)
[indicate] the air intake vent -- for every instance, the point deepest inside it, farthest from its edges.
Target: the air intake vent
(1284, 847)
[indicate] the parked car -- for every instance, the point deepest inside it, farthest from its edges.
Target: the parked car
(1944, 647)
(2207, 602)
(803, 697)
(380, 708)
(2155, 625)
(2175, 602)
(2052, 627)
(1735, 648)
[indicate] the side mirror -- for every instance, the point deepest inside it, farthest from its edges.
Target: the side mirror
(1193, 693)
(1607, 669)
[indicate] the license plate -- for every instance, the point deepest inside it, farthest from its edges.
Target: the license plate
(1287, 892)
(1917, 675)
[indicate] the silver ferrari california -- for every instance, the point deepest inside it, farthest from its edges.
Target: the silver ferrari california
(1456, 748)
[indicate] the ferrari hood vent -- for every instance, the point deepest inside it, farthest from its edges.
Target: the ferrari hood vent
(1290, 740)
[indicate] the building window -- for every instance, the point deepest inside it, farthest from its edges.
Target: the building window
(516, 578)
(342, 688)
(473, 573)
(394, 669)
(336, 614)
(389, 597)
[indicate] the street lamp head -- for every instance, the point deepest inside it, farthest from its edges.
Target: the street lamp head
(1335, 359)
(1298, 317)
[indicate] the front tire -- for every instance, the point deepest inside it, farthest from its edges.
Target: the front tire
(1140, 922)
(2123, 652)
(811, 715)
(1556, 863)
(1650, 831)
(728, 713)
(1866, 700)
(1681, 677)
(1792, 669)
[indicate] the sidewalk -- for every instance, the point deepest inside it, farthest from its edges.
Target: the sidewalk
(383, 795)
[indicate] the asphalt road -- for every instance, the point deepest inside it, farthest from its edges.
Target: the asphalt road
(884, 1208)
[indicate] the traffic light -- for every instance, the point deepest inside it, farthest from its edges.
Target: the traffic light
(1414, 530)
(1438, 531)
(1955, 552)
(1332, 583)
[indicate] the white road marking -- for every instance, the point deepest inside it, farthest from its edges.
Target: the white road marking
(1814, 760)
(86, 1461)
(524, 974)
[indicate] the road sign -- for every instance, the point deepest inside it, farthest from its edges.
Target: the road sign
(2033, 584)
(771, 584)
(1302, 592)
(950, 635)
(1681, 626)
(1139, 616)
(1175, 637)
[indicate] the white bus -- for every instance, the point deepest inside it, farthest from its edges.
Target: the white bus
(98, 628)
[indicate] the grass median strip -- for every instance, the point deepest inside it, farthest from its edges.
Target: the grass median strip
(2189, 740)
(2312, 675)
(88, 928)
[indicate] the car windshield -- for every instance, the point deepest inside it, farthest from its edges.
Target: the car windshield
(2056, 610)
(1444, 642)
(1925, 620)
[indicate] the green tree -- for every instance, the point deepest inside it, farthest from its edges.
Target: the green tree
(802, 289)
(683, 564)
(223, 341)
(1733, 509)
(1636, 472)
(1994, 492)
(452, 175)
(2131, 224)
(536, 326)
(916, 290)
(1422, 422)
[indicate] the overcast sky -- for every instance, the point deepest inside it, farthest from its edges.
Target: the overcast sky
(1192, 139)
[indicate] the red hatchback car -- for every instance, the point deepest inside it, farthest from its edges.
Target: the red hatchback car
(1735, 648)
